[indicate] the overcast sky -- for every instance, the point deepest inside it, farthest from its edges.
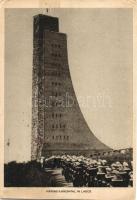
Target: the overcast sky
(100, 61)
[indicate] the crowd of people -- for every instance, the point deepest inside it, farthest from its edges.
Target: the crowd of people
(88, 172)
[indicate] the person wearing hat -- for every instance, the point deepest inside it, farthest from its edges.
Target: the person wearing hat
(92, 173)
(42, 161)
(77, 179)
(131, 179)
(108, 176)
(117, 181)
(101, 179)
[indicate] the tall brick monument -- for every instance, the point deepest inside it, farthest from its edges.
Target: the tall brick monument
(58, 126)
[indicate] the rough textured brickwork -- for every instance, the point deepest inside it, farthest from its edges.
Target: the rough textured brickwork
(58, 125)
(41, 23)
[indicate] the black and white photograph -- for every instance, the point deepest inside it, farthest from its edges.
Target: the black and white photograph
(68, 90)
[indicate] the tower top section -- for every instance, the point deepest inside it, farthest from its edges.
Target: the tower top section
(46, 22)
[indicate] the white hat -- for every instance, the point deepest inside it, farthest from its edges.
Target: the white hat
(125, 164)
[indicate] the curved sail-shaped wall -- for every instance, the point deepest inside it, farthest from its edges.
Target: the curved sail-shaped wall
(58, 125)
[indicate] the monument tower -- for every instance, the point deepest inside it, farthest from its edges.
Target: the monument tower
(58, 125)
